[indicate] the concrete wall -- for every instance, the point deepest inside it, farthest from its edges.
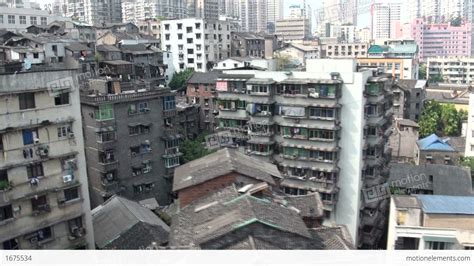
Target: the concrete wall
(464, 222)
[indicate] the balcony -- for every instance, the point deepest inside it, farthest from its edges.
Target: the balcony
(41, 209)
(172, 152)
(169, 113)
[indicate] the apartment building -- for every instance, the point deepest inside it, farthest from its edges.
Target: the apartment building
(346, 50)
(246, 44)
(296, 120)
(409, 97)
(431, 222)
(343, 33)
(459, 70)
(206, 9)
(130, 140)
(398, 57)
(44, 196)
(18, 19)
(195, 43)
(293, 29)
(441, 40)
(384, 17)
(94, 12)
(201, 91)
(275, 11)
(253, 15)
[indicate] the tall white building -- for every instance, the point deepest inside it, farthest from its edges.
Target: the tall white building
(384, 17)
(207, 9)
(195, 43)
(229, 8)
(275, 12)
(18, 19)
(138, 10)
(253, 14)
(94, 12)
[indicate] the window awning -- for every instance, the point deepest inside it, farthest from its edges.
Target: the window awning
(448, 239)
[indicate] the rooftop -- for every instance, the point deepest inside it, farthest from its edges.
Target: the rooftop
(447, 179)
(204, 77)
(434, 143)
(436, 204)
(220, 163)
(226, 211)
(120, 223)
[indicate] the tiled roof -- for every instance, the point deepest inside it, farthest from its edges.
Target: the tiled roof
(334, 238)
(437, 204)
(204, 77)
(447, 179)
(115, 217)
(220, 163)
(434, 143)
(226, 211)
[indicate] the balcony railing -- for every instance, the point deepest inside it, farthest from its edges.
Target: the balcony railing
(118, 97)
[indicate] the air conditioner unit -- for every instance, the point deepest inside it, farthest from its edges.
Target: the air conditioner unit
(68, 178)
(109, 176)
(36, 140)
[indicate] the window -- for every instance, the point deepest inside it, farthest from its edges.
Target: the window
(11, 244)
(40, 204)
(172, 162)
(143, 107)
(169, 103)
(33, 21)
(35, 170)
(180, 26)
(436, 245)
(1, 19)
(62, 99)
(190, 51)
(11, 19)
(27, 101)
(30, 136)
(167, 26)
(35, 55)
(322, 112)
(198, 36)
(189, 29)
(64, 131)
(6, 212)
(22, 19)
(167, 37)
(1, 142)
(75, 225)
(106, 157)
(41, 235)
(105, 112)
(180, 47)
(71, 194)
(180, 36)
(44, 21)
(105, 136)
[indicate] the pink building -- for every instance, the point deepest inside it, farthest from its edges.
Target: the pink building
(442, 39)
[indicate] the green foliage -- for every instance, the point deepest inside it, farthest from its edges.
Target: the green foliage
(468, 162)
(179, 79)
(283, 61)
(442, 119)
(422, 72)
(5, 185)
(98, 57)
(194, 149)
(436, 78)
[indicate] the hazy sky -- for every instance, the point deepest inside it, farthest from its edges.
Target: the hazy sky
(315, 5)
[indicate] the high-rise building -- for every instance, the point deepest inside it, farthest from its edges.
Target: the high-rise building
(327, 130)
(385, 16)
(44, 196)
(293, 29)
(275, 10)
(229, 8)
(253, 14)
(207, 9)
(195, 43)
(95, 12)
(442, 39)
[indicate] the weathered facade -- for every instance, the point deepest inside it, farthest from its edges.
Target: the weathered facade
(44, 196)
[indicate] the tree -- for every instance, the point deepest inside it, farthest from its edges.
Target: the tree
(283, 61)
(468, 162)
(435, 78)
(179, 79)
(422, 72)
(194, 149)
(443, 120)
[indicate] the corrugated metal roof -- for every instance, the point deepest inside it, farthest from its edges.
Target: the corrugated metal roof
(434, 143)
(447, 204)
